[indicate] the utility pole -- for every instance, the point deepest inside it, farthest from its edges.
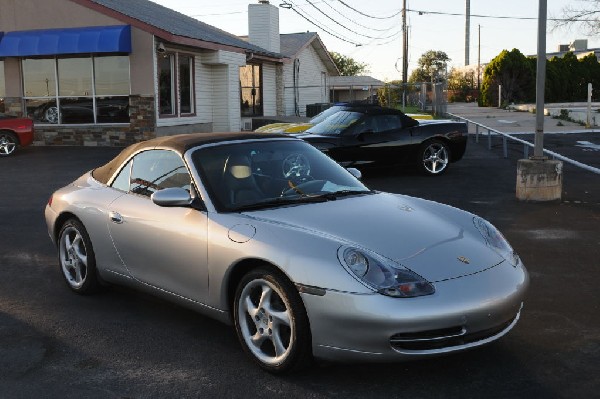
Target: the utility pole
(404, 45)
(404, 54)
(478, 57)
(538, 152)
(540, 178)
(467, 31)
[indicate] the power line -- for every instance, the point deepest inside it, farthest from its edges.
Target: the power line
(353, 21)
(345, 27)
(295, 9)
(367, 15)
(423, 12)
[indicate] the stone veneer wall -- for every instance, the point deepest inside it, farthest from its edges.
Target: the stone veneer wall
(142, 127)
(279, 91)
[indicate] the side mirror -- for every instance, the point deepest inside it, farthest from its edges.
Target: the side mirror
(175, 196)
(355, 172)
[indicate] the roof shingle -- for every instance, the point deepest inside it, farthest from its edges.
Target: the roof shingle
(178, 24)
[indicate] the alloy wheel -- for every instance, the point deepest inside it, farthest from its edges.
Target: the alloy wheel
(8, 144)
(266, 323)
(73, 257)
(435, 158)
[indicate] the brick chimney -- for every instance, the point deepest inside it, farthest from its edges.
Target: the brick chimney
(263, 25)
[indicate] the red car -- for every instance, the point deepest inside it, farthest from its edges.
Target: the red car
(14, 132)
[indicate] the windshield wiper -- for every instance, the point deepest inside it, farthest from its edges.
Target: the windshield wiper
(344, 193)
(280, 201)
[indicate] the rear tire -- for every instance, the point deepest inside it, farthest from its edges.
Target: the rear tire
(76, 258)
(51, 115)
(433, 158)
(271, 321)
(8, 143)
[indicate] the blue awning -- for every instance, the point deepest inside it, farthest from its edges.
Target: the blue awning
(96, 39)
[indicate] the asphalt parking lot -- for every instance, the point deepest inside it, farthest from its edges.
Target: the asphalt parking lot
(123, 344)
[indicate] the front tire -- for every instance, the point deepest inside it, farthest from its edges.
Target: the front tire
(271, 321)
(76, 258)
(8, 143)
(434, 157)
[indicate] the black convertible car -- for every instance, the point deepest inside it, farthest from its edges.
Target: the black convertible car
(385, 136)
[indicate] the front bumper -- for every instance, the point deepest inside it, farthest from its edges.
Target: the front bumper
(463, 313)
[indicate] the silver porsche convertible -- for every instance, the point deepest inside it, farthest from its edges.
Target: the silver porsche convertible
(269, 234)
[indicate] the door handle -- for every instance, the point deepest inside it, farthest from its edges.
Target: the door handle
(115, 217)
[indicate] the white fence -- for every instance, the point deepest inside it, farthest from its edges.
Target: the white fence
(526, 145)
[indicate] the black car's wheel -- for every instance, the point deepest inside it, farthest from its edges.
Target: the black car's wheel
(51, 115)
(271, 321)
(76, 258)
(434, 157)
(8, 143)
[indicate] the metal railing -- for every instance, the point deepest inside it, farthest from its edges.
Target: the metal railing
(526, 144)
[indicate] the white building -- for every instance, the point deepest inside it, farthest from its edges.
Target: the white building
(286, 87)
(108, 72)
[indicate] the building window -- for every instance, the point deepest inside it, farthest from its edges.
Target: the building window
(166, 84)
(84, 90)
(186, 84)
(176, 85)
(251, 90)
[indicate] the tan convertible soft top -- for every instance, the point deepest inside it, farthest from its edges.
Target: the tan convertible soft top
(180, 143)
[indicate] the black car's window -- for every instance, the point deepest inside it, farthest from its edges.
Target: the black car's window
(155, 170)
(377, 124)
(366, 125)
(122, 180)
(336, 123)
(388, 122)
(325, 114)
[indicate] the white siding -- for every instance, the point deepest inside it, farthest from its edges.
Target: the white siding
(310, 82)
(263, 26)
(224, 57)
(226, 90)
(269, 89)
(226, 98)
(220, 81)
(204, 91)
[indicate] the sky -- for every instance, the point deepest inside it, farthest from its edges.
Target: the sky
(371, 33)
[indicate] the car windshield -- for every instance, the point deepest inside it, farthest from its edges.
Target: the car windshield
(336, 123)
(271, 173)
(325, 114)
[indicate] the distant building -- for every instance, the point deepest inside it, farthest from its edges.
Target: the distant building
(353, 88)
(579, 48)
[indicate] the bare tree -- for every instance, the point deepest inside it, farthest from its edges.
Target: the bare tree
(585, 13)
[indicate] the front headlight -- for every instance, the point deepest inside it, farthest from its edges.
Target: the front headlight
(383, 275)
(494, 238)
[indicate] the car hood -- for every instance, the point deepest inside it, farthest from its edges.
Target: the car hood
(284, 128)
(436, 241)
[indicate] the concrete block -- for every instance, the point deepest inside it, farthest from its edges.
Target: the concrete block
(539, 180)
